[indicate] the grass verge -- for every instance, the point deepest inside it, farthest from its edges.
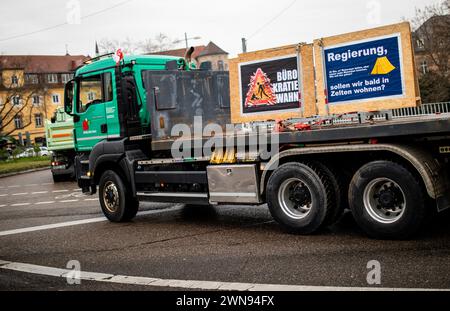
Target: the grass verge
(23, 164)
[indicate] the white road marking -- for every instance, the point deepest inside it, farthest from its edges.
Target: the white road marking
(77, 189)
(53, 226)
(46, 202)
(31, 185)
(23, 193)
(20, 204)
(74, 223)
(188, 284)
(58, 191)
(68, 201)
(47, 183)
(14, 186)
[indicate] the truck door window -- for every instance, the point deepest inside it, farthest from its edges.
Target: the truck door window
(94, 89)
(108, 91)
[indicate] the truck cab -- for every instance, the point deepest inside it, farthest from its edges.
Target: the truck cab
(107, 102)
(107, 99)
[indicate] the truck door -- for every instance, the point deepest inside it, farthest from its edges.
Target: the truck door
(94, 93)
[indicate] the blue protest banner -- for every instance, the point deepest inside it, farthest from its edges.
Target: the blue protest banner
(364, 70)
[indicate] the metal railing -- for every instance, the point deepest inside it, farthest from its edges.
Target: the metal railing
(424, 109)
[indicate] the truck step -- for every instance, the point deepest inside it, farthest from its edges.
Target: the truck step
(177, 197)
(187, 177)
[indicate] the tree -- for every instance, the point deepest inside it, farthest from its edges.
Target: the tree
(432, 34)
(433, 88)
(160, 42)
(127, 45)
(21, 97)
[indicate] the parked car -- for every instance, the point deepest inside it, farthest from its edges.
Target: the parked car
(44, 152)
(30, 152)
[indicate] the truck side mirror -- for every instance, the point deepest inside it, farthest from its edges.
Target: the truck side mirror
(68, 97)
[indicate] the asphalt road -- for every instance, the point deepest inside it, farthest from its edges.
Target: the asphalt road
(221, 244)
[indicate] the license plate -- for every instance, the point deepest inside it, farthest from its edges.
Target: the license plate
(59, 167)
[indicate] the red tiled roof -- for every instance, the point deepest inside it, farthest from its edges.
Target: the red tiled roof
(180, 52)
(212, 49)
(42, 63)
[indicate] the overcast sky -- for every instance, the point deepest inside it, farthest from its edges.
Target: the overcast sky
(223, 22)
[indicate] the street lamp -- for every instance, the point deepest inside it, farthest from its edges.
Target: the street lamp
(186, 40)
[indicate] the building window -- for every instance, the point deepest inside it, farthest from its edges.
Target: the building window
(38, 119)
(424, 67)
(55, 98)
(16, 100)
(91, 96)
(31, 79)
(14, 80)
(420, 44)
(66, 77)
(220, 66)
(36, 100)
(52, 78)
(18, 123)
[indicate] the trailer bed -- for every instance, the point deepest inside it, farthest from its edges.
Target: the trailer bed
(420, 127)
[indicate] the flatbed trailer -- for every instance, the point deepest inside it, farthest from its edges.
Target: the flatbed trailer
(378, 169)
(410, 128)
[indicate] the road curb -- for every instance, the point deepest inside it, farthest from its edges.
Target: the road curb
(25, 172)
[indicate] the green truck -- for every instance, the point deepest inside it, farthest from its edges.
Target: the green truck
(59, 136)
(129, 119)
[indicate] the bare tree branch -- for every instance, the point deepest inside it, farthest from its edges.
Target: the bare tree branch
(160, 42)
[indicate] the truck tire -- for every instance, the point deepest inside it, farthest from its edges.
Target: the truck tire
(387, 201)
(335, 207)
(57, 178)
(298, 197)
(115, 199)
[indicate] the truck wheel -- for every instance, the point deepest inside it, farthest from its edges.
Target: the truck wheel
(115, 199)
(298, 197)
(335, 207)
(387, 201)
(57, 178)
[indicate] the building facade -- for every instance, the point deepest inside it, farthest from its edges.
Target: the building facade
(429, 40)
(210, 56)
(213, 57)
(31, 88)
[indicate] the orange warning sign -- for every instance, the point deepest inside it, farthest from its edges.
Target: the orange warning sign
(260, 90)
